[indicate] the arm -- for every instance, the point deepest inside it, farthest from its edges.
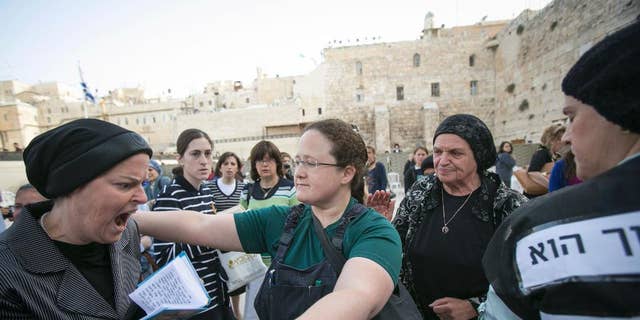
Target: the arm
(556, 179)
(216, 231)
(383, 177)
(361, 278)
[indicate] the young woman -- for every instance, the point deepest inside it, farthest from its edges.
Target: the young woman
(505, 162)
(228, 187)
(188, 192)
(412, 169)
(226, 190)
(269, 188)
(330, 165)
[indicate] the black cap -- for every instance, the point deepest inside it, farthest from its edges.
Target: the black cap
(67, 157)
(607, 77)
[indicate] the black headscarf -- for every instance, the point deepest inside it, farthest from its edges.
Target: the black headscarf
(475, 133)
(67, 157)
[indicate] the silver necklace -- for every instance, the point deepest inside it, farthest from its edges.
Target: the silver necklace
(445, 229)
(42, 225)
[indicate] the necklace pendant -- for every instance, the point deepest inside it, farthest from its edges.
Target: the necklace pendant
(445, 229)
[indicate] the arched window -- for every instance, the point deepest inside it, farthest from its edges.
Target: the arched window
(416, 60)
(359, 68)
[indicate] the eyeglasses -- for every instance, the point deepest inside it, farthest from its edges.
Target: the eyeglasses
(309, 164)
(265, 162)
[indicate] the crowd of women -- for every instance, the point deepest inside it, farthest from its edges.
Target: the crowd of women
(462, 242)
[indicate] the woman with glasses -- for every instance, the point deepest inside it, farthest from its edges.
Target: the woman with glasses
(270, 188)
(329, 171)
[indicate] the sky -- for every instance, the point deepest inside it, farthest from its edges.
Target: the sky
(183, 45)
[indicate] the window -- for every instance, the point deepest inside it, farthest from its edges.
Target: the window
(319, 111)
(435, 89)
(359, 68)
(210, 103)
(474, 87)
(472, 60)
(303, 112)
(416, 60)
(154, 119)
(49, 110)
(201, 104)
(359, 97)
(247, 99)
(399, 93)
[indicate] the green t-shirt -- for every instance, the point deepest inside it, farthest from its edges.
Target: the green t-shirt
(369, 236)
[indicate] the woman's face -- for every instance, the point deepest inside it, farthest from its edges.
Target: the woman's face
(196, 161)
(371, 156)
(419, 156)
(318, 185)
(229, 167)
(453, 159)
(266, 167)
(506, 148)
(593, 139)
(102, 207)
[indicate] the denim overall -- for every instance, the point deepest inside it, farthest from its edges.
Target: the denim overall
(287, 292)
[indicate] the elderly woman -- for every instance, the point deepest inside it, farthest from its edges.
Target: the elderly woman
(76, 257)
(447, 219)
(595, 272)
(329, 171)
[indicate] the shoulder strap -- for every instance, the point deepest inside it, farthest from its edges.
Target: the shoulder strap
(287, 234)
(249, 192)
(333, 251)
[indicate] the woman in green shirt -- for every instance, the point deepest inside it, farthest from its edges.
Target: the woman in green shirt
(330, 166)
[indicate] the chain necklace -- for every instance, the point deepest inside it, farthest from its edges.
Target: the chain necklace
(445, 229)
(42, 225)
(266, 191)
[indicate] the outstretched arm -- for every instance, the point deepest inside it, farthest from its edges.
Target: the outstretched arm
(216, 231)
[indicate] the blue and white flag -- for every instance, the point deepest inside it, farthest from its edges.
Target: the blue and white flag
(85, 88)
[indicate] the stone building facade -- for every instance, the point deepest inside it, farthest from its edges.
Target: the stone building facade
(508, 73)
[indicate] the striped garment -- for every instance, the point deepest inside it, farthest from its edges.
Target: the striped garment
(223, 201)
(181, 195)
(284, 195)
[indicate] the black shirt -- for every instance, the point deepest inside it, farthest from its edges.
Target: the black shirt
(541, 157)
(450, 265)
(94, 262)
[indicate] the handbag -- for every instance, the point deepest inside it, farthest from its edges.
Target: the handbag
(400, 304)
(241, 268)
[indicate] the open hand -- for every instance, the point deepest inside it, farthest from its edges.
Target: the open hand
(381, 202)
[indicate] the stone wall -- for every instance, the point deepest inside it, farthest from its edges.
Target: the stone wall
(535, 52)
(443, 59)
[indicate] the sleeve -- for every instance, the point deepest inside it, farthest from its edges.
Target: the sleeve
(244, 200)
(380, 243)
(401, 220)
(556, 179)
(252, 229)
(382, 172)
(409, 179)
(164, 251)
(507, 159)
(538, 160)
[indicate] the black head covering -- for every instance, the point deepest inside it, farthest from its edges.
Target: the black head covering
(475, 133)
(65, 158)
(607, 77)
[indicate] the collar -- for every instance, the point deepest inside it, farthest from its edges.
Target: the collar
(629, 158)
